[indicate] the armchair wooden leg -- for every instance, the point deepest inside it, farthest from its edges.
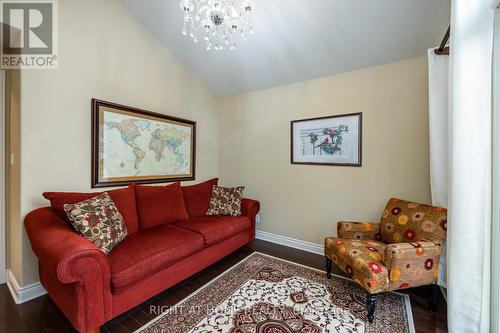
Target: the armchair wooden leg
(328, 268)
(433, 297)
(95, 330)
(370, 306)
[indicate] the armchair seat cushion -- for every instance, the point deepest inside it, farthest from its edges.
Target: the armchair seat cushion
(215, 229)
(150, 250)
(361, 260)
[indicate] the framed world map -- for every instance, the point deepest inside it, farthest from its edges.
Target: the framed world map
(136, 146)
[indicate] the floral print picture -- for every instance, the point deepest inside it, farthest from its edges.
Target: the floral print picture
(334, 140)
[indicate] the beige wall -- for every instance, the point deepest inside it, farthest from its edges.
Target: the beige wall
(106, 53)
(304, 202)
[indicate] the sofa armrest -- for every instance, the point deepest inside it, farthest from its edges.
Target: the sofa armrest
(72, 259)
(359, 230)
(412, 264)
(250, 208)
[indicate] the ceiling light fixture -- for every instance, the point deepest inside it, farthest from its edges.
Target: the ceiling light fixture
(221, 22)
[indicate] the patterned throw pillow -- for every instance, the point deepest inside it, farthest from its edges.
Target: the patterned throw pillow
(98, 220)
(226, 201)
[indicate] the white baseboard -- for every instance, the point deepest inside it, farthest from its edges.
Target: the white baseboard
(23, 294)
(290, 242)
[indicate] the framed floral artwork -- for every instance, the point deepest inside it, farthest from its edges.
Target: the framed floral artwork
(333, 140)
(130, 145)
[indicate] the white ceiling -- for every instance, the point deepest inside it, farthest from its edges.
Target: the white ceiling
(297, 40)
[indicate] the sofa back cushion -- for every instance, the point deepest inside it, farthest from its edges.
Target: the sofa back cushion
(124, 200)
(405, 221)
(158, 205)
(197, 197)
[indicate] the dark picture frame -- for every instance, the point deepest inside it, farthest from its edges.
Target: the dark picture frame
(327, 141)
(99, 107)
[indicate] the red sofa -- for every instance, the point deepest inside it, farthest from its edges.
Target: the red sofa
(166, 244)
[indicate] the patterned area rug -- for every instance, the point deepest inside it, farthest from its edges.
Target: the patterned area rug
(264, 294)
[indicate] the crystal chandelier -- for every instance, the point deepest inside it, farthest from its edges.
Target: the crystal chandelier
(222, 23)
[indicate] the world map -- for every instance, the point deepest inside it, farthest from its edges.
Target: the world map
(133, 146)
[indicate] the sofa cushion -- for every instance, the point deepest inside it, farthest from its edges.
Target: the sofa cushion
(149, 251)
(216, 229)
(124, 200)
(99, 221)
(197, 197)
(158, 205)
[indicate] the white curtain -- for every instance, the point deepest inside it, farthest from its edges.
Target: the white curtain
(438, 133)
(495, 234)
(469, 202)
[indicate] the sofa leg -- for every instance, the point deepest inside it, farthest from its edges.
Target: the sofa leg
(370, 306)
(95, 330)
(328, 268)
(433, 297)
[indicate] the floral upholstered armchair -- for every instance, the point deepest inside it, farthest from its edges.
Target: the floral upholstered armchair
(401, 252)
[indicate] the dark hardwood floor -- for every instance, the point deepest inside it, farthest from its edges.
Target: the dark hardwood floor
(42, 315)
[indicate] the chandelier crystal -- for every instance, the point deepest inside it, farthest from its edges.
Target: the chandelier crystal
(221, 23)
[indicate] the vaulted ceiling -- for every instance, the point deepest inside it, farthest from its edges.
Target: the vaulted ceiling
(297, 40)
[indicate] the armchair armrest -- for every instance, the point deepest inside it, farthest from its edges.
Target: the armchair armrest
(250, 208)
(412, 264)
(359, 230)
(72, 259)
